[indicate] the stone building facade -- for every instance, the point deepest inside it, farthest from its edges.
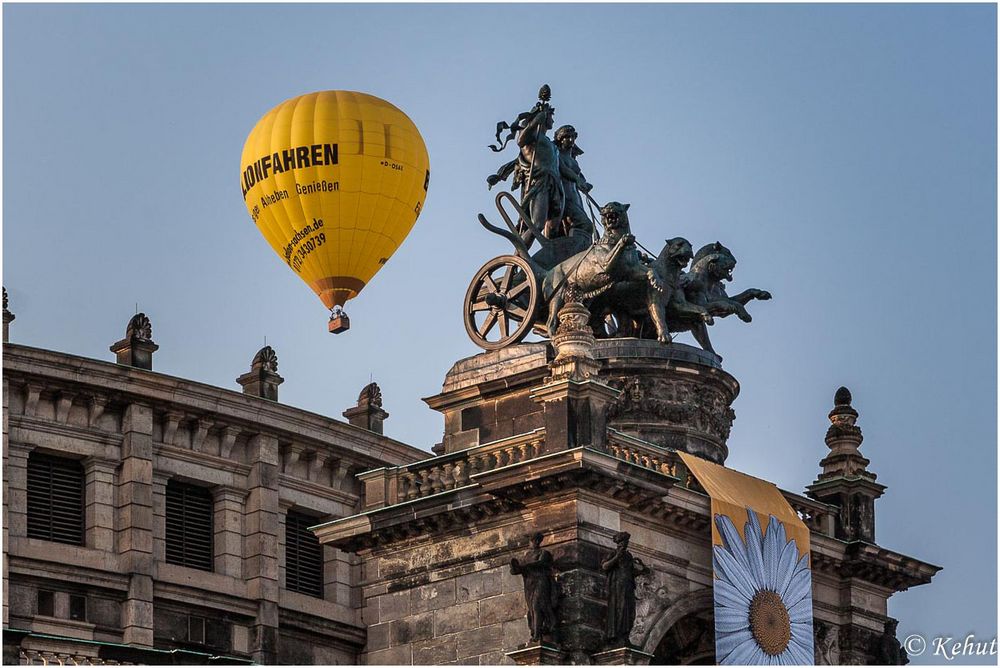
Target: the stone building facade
(578, 441)
(330, 543)
(106, 469)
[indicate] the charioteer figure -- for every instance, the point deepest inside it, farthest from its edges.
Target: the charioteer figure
(536, 168)
(575, 218)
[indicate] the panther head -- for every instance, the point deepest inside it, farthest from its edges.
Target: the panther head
(716, 261)
(677, 251)
(614, 216)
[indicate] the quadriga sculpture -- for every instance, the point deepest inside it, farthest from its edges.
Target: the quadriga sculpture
(628, 293)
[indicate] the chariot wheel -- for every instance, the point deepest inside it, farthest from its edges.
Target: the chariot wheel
(501, 303)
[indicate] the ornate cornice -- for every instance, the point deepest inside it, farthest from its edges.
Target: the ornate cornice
(508, 488)
(61, 371)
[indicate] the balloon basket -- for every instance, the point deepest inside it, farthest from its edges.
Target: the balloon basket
(339, 322)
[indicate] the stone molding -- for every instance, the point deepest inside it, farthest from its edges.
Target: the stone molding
(538, 655)
(506, 488)
(686, 604)
(622, 656)
(41, 369)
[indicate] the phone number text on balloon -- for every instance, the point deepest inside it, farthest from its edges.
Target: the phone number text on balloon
(307, 246)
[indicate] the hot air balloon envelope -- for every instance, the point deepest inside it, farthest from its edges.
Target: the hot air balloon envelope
(334, 181)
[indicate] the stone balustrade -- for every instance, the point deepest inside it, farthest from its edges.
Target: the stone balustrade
(389, 486)
(31, 657)
(646, 455)
(818, 516)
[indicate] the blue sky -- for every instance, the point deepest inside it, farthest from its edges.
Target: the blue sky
(846, 154)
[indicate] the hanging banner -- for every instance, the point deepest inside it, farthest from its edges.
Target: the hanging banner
(763, 582)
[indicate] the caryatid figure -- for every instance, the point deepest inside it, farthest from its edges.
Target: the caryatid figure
(539, 588)
(621, 568)
(574, 183)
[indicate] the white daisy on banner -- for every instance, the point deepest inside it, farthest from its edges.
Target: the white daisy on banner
(763, 596)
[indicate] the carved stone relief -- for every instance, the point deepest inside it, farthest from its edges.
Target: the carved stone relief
(682, 403)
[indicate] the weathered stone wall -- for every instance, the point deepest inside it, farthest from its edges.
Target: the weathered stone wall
(134, 431)
(672, 396)
(437, 536)
(446, 598)
(450, 596)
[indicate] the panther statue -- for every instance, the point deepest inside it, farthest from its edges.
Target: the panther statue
(640, 310)
(703, 286)
(611, 260)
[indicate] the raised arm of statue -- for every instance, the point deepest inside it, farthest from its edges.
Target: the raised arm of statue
(536, 126)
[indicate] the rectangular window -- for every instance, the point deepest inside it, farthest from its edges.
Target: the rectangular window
(303, 556)
(55, 499)
(189, 526)
(46, 603)
(196, 630)
(78, 607)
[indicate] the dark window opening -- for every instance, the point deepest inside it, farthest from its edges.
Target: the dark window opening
(189, 526)
(46, 603)
(78, 608)
(303, 556)
(196, 629)
(55, 499)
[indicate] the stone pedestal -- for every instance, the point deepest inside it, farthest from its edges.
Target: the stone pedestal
(137, 348)
(675, 396)
(538, 655)
(132, 352)
(262, 380)
(622, 656)
(368, 414)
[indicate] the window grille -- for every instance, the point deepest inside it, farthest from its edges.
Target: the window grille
(55, 499)
(189, 526)
(303, 556)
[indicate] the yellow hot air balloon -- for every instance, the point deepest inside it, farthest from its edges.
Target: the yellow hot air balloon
(334, 181)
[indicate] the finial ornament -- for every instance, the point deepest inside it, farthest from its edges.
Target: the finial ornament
(845, 479)
(139, 328)
(262, 380)
(842, 397)
(137, 348)
(8, 317)
(371, 395)
(368, 414)
(843, 423)
(265, 359)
